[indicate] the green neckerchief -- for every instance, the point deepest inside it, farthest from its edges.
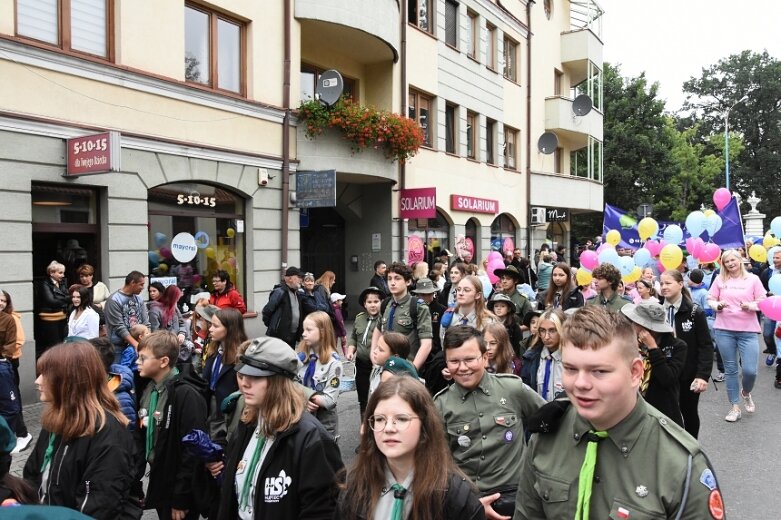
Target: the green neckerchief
(399, 492)
(586, 478)
(150, 425)
(253, 464)
(49, 454)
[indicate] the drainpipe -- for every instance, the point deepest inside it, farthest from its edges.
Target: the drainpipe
(404, 109)
(286, 137)
(529, 249)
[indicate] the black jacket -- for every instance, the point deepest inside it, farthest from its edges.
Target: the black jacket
(306, 454)
(692, 328)
(226, 381)
(444, 293)
(52, 298)
(88, 474)
(380, 283)
(663, 390)
(177, 479)
(461, 501)
(277, 315)
(573, 301)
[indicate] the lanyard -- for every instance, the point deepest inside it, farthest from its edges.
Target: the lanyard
(253, 463)
(49, 454)
(216, 369)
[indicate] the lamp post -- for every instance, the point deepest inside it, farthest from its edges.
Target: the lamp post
(726, 137)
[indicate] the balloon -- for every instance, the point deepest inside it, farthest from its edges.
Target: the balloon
(653, 247)
(695, 223)
(710, 253)
(165, 252)
(210, 253)
(673, 234)
(163, 268)
(758, 253)
(647, 228)
(671, 256)
(642, 257)
(769, 241)
(604, 246)
(493, 265)
(494, 255)
(694, 246)
(626, 264)
(691, 262)
(201, 239)
(774, 284)
(609, 256)
(231, 232)
(721, 198)
(583, 277)
(708, 212)
(613, 237)
(589, 259)
(160, 239)
(771, 307)
(154, 259)
(197, 279)
(635, 275)
(713, 224)
(775, 226)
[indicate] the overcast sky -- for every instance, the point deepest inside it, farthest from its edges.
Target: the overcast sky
(673, 40)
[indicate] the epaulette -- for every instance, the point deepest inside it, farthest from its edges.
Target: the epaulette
(444, 390)
(548, 417)
(362, 313)
(676, 432)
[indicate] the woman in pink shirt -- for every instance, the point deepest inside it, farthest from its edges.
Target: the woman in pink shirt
(734, 296)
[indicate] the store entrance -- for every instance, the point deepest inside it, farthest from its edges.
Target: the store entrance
(71, 248)
(323, 244)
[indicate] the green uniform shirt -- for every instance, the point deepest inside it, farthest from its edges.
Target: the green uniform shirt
(402, 322)
(162, 401)
(522, 304)
(485, 429)
(361, 336)
(640, 472)
(613, 304)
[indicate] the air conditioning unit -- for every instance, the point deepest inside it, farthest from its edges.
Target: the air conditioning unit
(538, 216)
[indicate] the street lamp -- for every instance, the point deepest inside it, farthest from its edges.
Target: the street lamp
(726, 136)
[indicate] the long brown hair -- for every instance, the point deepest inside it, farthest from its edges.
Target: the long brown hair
(282, 406)
(482, 314)
(327, 343)
(233, 321)
(569, 286)
(503, 357)
(433, 461)
(77, 386)
(327, 280)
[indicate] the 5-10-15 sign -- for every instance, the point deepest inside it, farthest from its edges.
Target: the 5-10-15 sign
(96, 153)
(194, 199)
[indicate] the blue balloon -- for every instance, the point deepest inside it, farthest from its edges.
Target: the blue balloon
(695, 223)
(673, 234)
(609, 256)
(774, 284)
(642, 257)
(691, 262)
(626, 264)
(713, 224)
(775, 227)
(154, 259)
(160, 239)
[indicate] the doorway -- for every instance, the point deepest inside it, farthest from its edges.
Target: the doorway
(323, 244)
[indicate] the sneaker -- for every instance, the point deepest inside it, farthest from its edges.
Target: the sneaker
(750, 406)
(22, 443)
(719, 378)
(733, 415)
(770, 359)
(777, 384)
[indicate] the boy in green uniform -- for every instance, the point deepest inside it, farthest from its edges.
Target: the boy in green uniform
(359, 342)
(509, 278)
(607, 277)
(604, 452)
(398, 315)
(484, 416)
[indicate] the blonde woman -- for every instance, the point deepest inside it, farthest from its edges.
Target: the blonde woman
(52, 301)
(470, 307)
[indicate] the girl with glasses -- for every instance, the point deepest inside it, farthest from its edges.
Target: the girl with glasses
(541, 365)
(470, 308)
(404, 468)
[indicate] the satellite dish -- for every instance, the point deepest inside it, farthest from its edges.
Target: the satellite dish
(330, 86)
(547, 143)
(582, 105)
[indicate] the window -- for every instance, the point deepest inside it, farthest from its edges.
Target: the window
(503, 233)
(490, 51)
(471, 135)
(450, 128)
(557, 155)
(213, 50)
(557, 78)
(74, 25)
(510, 59)
(547, 6)
(490, 141)
(451, 23)
(473, 35)
(510, 147)
(420, 111)
(419, 14)
(435, 231)
(310, 74)
(587, 161)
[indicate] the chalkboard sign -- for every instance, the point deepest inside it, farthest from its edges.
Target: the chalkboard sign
(316, 189)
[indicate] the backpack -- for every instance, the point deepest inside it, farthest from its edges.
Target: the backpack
(413, 310)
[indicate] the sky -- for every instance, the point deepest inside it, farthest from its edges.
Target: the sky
(673, 40)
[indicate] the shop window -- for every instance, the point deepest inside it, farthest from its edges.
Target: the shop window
(471, 240)
(420, 110)
(194, 231)
(503, 233)
(76, 25)
(419, 14)
(311, 74)
(435, 233)
(213, 49)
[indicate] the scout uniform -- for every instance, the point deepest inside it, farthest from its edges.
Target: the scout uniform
(522, 304)
(402, 322)
(645, 467)
(456, 318)
(614, 303)
(323, 378)
(485, 428)
(361, 336)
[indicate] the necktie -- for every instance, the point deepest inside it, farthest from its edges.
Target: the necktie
(216, 369)
(150, 424)
(49, 454)
(546, 380)
(391, 315)
(464, 320)
(366, 332)
(248, 481)
(671, 316)
(398, 505)
(586, 478)
(309, 375)
(556, 300)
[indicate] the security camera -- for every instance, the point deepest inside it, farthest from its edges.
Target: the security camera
(262, 176)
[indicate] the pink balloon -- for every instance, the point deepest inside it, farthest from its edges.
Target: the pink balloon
(604, 246)
(690, 245)
(589, 259)
(493, 265)
(653, 247)
(494, 255)
(660, 266)
(709, 253)
(721, 198)
(771, 307)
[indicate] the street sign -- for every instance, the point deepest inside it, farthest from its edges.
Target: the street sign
(645, 210)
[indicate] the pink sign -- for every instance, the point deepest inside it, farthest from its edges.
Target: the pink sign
(97, 153)
(474, 204)
(508, 246)
(416, 251)
(470, 246)
(418, 203)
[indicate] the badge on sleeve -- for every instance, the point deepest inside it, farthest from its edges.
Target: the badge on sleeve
(716, 505)
(708, 480)
(334, 382)
(508, 436)
(641, 491)
(622, 512)
(502, 401)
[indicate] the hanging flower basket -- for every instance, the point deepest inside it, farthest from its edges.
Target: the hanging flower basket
(365, 127)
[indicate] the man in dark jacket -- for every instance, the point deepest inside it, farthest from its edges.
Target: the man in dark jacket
(283, 314)
(379, 279)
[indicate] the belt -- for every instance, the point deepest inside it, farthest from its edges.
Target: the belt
(52, 316)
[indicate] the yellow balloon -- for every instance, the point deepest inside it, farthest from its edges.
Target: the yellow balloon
(671, 256)
(231, 232)
(209, 252)
(613, 237)
(757, 253)
(647, 228)
(163, 268)
(634, 275)
(708, 212)
(583, 277)
(769, 241)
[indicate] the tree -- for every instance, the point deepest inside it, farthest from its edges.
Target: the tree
(757, 119)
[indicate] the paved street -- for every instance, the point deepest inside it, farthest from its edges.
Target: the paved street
(745, 454)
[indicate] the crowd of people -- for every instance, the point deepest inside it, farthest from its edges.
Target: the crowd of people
(466, 392)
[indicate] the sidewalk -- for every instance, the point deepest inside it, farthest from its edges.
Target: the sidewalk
(32, 417)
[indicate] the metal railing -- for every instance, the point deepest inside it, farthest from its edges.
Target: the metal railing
(586, 14)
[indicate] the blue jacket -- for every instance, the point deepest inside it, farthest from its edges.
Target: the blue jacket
(530, 364)
(125, 392)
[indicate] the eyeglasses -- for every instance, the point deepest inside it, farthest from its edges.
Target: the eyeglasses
(142, 359)
(455, 363)
(465, 290)
(547, 332)
(401, 422)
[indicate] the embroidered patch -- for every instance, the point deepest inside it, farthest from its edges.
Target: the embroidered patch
(687, 325)
(464, 441)
(508, 436)
(338, 371)
(708, 480)
(501, 421)
(622, 512)
(716, 505)
(334, 382)
(641, 491)
(319, 387)
(502, 401)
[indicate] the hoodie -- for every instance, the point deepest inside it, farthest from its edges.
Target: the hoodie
(121, 383)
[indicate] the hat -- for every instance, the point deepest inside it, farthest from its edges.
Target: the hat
(206, 311)
(370, 290)
(292, 271)
(500, 297)
(527, 318)
(648, 315)
(696, 275)
(266, 356)
(510, 270)
(335, 297)
(425, 286)
(398, 366)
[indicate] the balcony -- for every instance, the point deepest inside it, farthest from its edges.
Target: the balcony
(565, 191)
(366, 31)
(578, 49)
(560, 118)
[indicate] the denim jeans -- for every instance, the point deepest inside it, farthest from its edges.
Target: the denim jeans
(769, 334)
(731, 345)
(711, 330)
